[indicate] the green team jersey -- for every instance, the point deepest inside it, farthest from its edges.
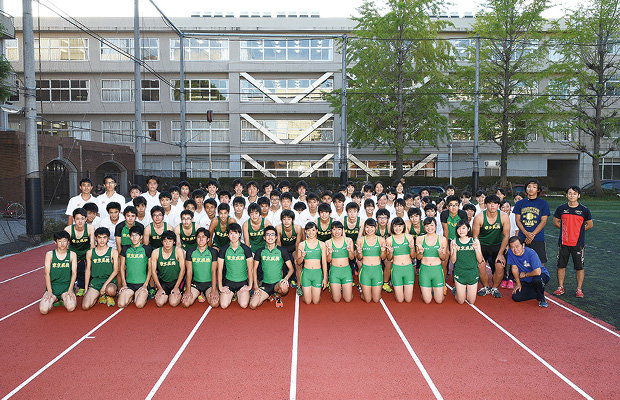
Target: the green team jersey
(256, 236)
(235, 261)
(401, 249)
(201, 263)
(79, 246)
(289, 242)
(60, 273)
(324, 234)
(465, 255)
(220, 236)
(340, 252)
(385, 233)
(415, 234)
(168, 268)
(101, 268)
(187, 241)
(155, 240)
(491, 234)
(137, 263)
(352, 233)
(272, 263)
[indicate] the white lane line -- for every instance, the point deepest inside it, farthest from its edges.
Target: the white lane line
(607, 222)
(584, 317)
(58, 357)
(21, 309)
(536, 356)
(17, 276)
(177, 355)
(32, 248)
(429, 381)
(293, 390)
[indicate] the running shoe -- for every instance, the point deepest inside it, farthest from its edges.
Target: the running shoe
(386, 287)
(57, 303)
(579, 293)
(293, 283)
(103, 299)
(484, 291)
(80, 293)
(272, 298)
(559, 291)
(201, 298)
(495, 292)
(234, 297)
(152, 293)
(279, 303)
(299, 291)
(510, 284)
(503, 285)
(359, 288)
(110, 301)
(543, 304)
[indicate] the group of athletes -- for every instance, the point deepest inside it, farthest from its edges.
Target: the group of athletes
(252, 245)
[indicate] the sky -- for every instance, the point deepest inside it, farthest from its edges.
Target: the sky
(183, 8)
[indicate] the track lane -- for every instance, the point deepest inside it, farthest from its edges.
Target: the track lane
(19, 263)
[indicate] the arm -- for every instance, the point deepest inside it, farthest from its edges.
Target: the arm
(69, 221)
(214, 271)
(389, 250)
(189, 273)
(419, 250)
(383, 248)
(540, 226)
(246, 233)
(73, 272)
(118, 242)
(180, 259)
(212, 227)
(446, 232)
(360, 241)
(515, 274)
(177, 230)
(220, 268)
(557, 223)
(453, 251)
(47, 270)
(250, 263)
(443, 248)
(147, 234)
(114, 255)
(328, 250)
(122, 270)
(153, 271)
(279, 234)
(323, 264)
(350, 248)
(477, 224)
(532, 273)
(255, 274)
(91, 236)
(87, 271)
(589, 225)
(300, 235)
(506, 235)
(290, 270)
(478, 250)
(299, 257)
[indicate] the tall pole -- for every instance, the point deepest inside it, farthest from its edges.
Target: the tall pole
(4, 120)
(476, 172)
(343, 115)
(182, 106)
(137, 97)
(210, 151)
(34, 210)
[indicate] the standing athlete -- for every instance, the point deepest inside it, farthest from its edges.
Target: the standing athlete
(82, 240)
(531, 214)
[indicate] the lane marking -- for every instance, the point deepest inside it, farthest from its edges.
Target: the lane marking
(531, 352)
(58, 357)
(588, 246)
(21, 309)
(607, 222)
(293, 390)
(177, 355)
(584, 317)
(17, 276)
(32, 248)
(427, 377)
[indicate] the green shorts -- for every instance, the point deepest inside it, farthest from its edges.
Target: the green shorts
(466, 276)
(431, 276)
(340, 275)
(403, 275)
(311, 277)
(97, 283)
(371, 275)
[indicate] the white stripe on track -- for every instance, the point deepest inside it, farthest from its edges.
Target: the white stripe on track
(20, 275)
(427, 377)
(293, 390)
(58, 357)
(20, 310)
(177, 355)
(607, 222)
(531, 352)
(584, 317)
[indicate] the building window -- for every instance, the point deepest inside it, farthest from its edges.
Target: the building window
(149, 49)
(65, 49)
(387, 168)
(11, 50)
(288, 130)
(198, 168)
(77, 129)
(151, 130)
(287, 50)
(461, 48)
(610, 168)
(287, 168)
(285, 89)
(123, 131)
(14, 96)
(612, 86)
(200, 49)
(119, 90)
(198, 131)
(560, 132)
(201, 90)
(63, 90)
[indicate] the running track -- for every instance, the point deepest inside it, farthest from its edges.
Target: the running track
(494, 349)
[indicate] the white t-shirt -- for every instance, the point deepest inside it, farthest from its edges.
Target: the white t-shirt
(151, 201)
(204, 221)
(172, 218)
(337, 216)
(145, 221)
(274, 216)
(306, 217)
(513, 224)
(104, 200)
(106, 223)
(244, 217)
(96, 222)
(78, 202)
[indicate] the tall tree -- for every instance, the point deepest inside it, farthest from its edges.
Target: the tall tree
(512, 62)
(398, 73)
(587, 83)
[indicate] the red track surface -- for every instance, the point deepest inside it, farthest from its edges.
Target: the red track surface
(344, 350)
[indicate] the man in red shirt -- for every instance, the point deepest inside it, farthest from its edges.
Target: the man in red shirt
(574, 220)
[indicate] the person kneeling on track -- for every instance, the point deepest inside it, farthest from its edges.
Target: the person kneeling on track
(311, 253)
(529, 273)
(432, 279)
(101, 271)
(466, 255)
(237, 260)
(134, 270)
(371, 251)
(201, 267)
(270, 260)
(168, 270)
(400, 256)
(339, 250)
(60, 274)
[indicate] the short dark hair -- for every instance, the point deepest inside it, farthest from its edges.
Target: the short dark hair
(236, 182)
(238, 200)
(310, 225)
(164, 195)
(337, 224)
(452, 198)
(187, 212)
(469, 206)
(174, 189)
(184, 183)
(382, 212)
(369, 202)
(481, 193)
(224, 207)
(253, 207)
(492, 199)
(137, 229)
(233, 227)
(367, 188)
(465, 193)
(501, 190)
(154, 178)
(130, 209)
(113, 205)
(339, 196)
(61, 235)
(287, 213)
(91, 207)
(223, 193)
(429, 220)
(102, 231)
(464, 222)
(299, 206)
(86, 180)
(190, 202)
(300, 184)
(450, 187)
(284, 183)
(514, 239)
(400, 202)
(253, 183)
(263, 200)
(286, 195)
(270, 228)
(157, 208)
(430, 206)
(212, 182)
(324, 207)
(168, 235)
(357, 193)
(536, 181)
(327, 193)
(352, 205)
(80, 211)
(414, 211)
(139, 200)
(312, 196)
(575, 188)
(204, 231)
(267, 183)
(210, 201)
(275, 192)
(198, 193)
(396, 221)
(109, 177)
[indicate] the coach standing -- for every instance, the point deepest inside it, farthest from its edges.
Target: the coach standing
(529, 273)
(531, 215)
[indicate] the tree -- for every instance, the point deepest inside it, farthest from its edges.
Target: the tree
(512, 62)
(586, 85)
(5, 73)
(397, 70)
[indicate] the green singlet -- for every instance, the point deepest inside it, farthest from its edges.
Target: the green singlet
(60, 273)
(168, 268)
(256, 236)
(401, 249)
(451, 222)
(352, 233)
(466, 265)
(187, 241)
(272, 263)
(340, 252)
(431, 250)
(79, 246)
(371, 251)
(416, 234)
(101, 268)
(201, 265)
(220, 237)
(155, 240)
(125, 239)
(136, 261)
(324, 234)
(236, 264)
(491, 234)
(384, 234)
(313, 253)
(289, 242)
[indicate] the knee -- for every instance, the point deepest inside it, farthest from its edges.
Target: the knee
(70, 307)
(43, 309)
(316, 301)
(159, 302)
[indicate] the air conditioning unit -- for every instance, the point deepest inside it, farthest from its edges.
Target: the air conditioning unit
(491, 164)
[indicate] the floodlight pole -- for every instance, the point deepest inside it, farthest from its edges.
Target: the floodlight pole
(476, 171)
(137, 97)
(343, 114)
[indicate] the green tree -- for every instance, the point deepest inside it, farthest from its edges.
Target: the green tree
(586, 85)
(512, 62)
(5, 74)
(398, 74)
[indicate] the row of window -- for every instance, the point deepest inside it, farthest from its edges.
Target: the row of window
(121, 49)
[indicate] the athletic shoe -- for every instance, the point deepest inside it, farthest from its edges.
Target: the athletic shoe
(359, 288)
(386, 287)
(299, 291)
(484, 291)
(152, 293)
(510, 284)
(543, 304)
(103, 299)
(57, 303)
(559, 291)
(234, 297)
(503, 285)
(279, 303)
(579, 293)
(110, 301)
(80, 293)
(293, 284)
(495, 292)
(454, 291)
(272, 298)
(201, 298)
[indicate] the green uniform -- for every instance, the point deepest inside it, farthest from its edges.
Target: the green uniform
(168, 268)
(155, 239)
(235, 262)
(324, 234)
(402, 274)
(187, 241)
(60, 273)
(289, 242)
(431, 275)
(371, 275)
(271, 262)
(256, 236)
(201, 263)
(491, 234)
(136, 261)
(220, 237)
(352, 233)
(385, 233)
(466, 265)
(312, 277)
(343, 274)
(101, 267)
(79, 246)
(125, 239)
(415, 234)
